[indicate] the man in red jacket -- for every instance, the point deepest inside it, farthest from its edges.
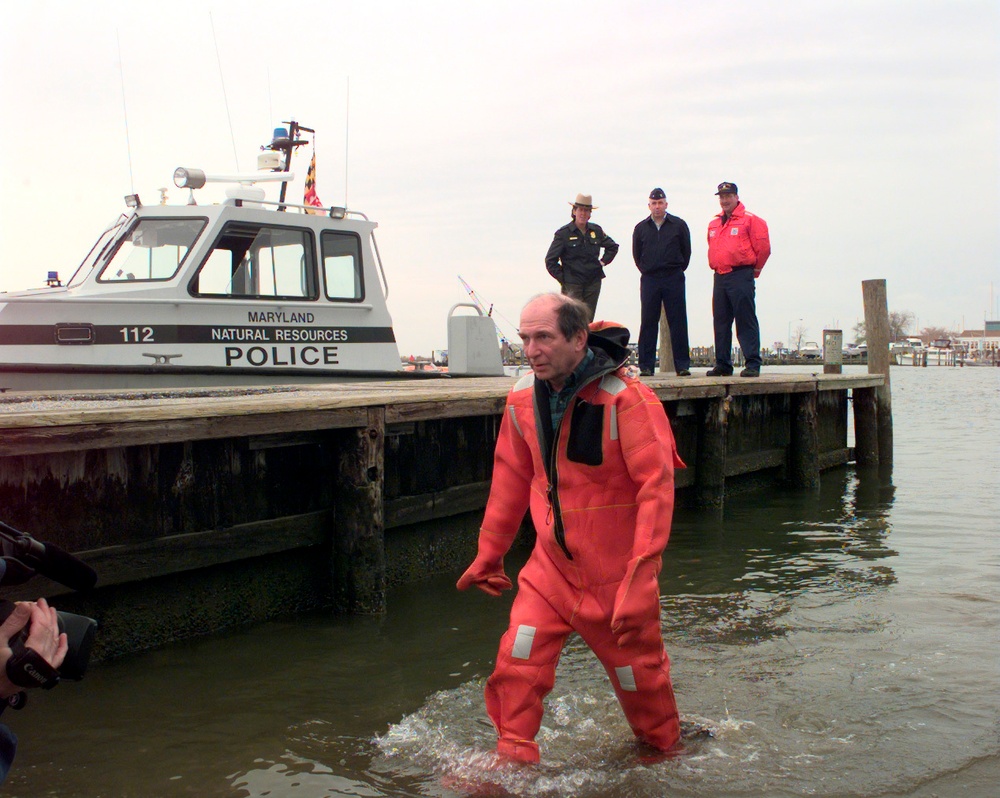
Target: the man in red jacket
(590, 450)
(738, 248)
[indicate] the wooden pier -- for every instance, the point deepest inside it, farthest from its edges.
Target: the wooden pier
(202, 510)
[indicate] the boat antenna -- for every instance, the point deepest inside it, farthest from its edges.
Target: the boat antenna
(347, 137)
(270, 102)
(225, 97)
(128, 141)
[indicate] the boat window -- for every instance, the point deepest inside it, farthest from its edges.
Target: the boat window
(96, 252)
(250, 260)
(342, 266)
(153, 249)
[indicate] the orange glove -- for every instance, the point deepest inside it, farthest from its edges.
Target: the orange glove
(487, 574)
(637, 601)
(486, 571)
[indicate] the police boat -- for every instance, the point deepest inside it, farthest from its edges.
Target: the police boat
(244, 292)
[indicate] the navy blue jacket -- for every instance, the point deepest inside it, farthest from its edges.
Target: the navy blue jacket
(659, 251)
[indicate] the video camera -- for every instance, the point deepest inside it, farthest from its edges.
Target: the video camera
(21, 557)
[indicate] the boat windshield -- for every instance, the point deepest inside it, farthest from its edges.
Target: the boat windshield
(153, 249)
(96, 251)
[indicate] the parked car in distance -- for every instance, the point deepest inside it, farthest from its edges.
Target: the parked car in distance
(810, 349)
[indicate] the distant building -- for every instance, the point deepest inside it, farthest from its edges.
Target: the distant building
(983, 343)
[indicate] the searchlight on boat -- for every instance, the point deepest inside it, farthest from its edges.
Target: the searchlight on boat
(189, 178)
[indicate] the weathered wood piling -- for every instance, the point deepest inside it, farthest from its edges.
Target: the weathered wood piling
(877, 330)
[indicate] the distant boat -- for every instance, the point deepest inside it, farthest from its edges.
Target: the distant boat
(811, 350)
(941, 352)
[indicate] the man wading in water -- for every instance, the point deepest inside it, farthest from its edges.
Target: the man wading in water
(590, 450)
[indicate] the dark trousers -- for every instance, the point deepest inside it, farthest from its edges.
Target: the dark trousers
(664, 290)
(733, 299)
(587, 293)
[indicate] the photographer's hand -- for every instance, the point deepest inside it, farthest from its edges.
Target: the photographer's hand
(43, 637)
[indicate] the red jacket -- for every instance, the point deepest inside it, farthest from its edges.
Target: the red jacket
(741, 240)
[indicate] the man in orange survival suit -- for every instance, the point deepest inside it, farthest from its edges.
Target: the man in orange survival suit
(590, 450)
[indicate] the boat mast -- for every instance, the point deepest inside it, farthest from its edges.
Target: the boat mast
(286, 141)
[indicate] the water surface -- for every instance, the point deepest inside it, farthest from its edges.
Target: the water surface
(842, 642)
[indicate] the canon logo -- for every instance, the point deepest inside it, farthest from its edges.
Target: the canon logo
(34, 673)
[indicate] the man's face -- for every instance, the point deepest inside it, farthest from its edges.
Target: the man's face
(552, 356)
(728, 201)
(658, 209)
(581, 215)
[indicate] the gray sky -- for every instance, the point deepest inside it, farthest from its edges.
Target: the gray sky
(864, 132)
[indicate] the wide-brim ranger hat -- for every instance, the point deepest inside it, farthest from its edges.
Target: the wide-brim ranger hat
(584, 201)
(727, 188)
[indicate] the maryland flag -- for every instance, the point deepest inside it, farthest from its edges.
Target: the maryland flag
(310, 197)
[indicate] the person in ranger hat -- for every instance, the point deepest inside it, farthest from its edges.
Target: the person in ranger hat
(661, 248)
(574, 257)
(738, 248)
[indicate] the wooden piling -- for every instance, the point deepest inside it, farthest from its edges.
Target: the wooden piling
(833, 351)
(710, 473)
(803, 457)
(666, 345)
(877, 334)
(358, 558)
(865, 427)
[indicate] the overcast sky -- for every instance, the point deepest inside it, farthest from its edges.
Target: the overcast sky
(865, 132)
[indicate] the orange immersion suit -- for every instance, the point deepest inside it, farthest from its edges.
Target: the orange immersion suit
(600, 487)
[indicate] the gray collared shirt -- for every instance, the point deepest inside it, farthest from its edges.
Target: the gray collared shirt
(559, 401)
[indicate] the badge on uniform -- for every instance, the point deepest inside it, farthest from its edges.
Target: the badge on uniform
(593, 234)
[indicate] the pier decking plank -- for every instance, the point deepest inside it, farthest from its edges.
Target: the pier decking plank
(37, 423)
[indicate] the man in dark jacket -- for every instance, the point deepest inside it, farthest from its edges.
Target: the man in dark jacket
(661, 247)
(574, 257)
